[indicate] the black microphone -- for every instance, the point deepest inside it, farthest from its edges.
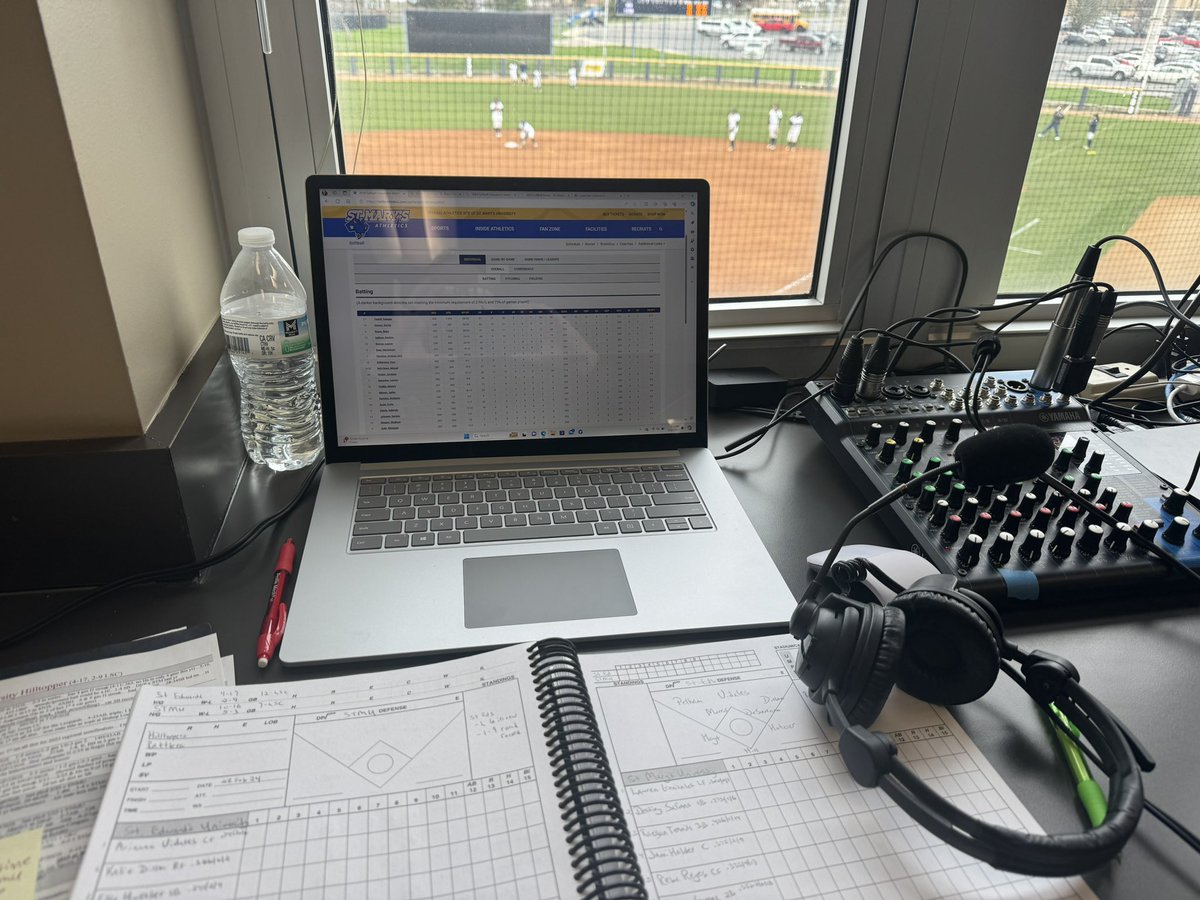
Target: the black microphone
(1004, 454)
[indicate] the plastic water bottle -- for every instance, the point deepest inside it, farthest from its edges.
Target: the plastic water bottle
(264, 313)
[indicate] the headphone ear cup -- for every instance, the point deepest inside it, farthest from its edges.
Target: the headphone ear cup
(881, 675)
(951, 652)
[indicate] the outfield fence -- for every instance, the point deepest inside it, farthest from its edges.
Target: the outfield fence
(375, 65)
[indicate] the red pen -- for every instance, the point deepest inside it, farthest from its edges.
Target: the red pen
(271, 632)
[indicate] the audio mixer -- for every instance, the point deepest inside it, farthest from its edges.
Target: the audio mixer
(1023, 546)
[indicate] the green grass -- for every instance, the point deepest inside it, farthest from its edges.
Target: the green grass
(1079, 198)
(1096, 98)
(607, 107)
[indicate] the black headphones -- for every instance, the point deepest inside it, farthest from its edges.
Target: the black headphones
(946, 645)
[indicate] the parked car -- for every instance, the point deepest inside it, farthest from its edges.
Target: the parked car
(1083, 39)
(1099, 67)
(832, 41)
(809, 43)
(1124, 31)
(736, 40)
(1182, 39)
(1169, 74)
(1134, 57)
(710, 27)
(755, 47)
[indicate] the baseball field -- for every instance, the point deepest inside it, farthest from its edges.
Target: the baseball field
(668, 117)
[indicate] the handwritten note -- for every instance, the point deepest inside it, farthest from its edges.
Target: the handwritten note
(19, 856)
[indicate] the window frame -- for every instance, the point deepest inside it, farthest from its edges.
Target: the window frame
(920, 119)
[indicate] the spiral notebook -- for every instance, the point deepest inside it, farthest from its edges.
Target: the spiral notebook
(698, 771)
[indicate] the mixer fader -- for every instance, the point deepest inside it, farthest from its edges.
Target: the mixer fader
(1021, 545)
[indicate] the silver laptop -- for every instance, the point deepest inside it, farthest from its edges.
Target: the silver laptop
(513, 378)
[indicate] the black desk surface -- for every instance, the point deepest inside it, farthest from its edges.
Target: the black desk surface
(1144, 666)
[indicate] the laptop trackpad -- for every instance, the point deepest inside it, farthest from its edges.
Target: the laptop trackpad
(545, 587)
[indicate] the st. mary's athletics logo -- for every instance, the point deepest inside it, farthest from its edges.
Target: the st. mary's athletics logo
(359, 221)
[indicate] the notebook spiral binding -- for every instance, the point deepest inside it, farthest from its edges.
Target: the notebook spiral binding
(601, 848)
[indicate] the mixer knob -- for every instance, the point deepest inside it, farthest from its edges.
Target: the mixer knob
(1174, 502)
(1069, 481)
(1092, 482)
(1148, 528)
(1031, 547)
(904, 471)
(1095, 514)
(968, 554)
(1176, 531)
(1040, 488)
(984, 493)
(958, 493)
(1028, 504)
(927, 498)
(1089, 541)
(1054, 502)
(916, 449)
(927, 430)
(1014, 490)
(1118, 537)
(1123, 511)
(914, 486)
(1069, 516)
(950, 531)
(1079, 451)
(1041, 519)
(874, 434)
(1001, 551)
(945, 482)
(1095, 462)
(970, 510)
(941, 510)
(999, 505)
(952, 430)
(900, 435)
(1060, 547)
(1084, 493)
(982, 523)
(888, 452)
(1108, 497)
(1062, 461)
(934, 462)
(1012, 522)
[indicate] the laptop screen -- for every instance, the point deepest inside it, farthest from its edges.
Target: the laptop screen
(466, 312)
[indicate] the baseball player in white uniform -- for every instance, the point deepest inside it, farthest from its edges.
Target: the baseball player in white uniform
(526, 133)
(512, 72)
(795, 123)
(497, 110)
(537, 78)
(774, 117)
(734, 122)
(573, 76)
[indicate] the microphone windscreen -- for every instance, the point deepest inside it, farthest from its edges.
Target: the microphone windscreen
(1005, 454)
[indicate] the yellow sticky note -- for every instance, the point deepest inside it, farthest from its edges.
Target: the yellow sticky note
(19, 856)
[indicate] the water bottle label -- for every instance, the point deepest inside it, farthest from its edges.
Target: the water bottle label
(266, 338)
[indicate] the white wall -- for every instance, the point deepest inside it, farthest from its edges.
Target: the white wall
(131, 113)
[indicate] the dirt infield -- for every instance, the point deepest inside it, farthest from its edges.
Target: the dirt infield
(1162, 227)
(766, 204)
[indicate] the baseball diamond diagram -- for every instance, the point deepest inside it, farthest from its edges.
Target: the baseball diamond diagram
(704, 717)
(397, 747)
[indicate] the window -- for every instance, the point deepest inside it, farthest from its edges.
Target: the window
(1116, 150)
(930, 129)
(632, 88)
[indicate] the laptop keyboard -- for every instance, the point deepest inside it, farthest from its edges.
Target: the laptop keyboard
(407, 511)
